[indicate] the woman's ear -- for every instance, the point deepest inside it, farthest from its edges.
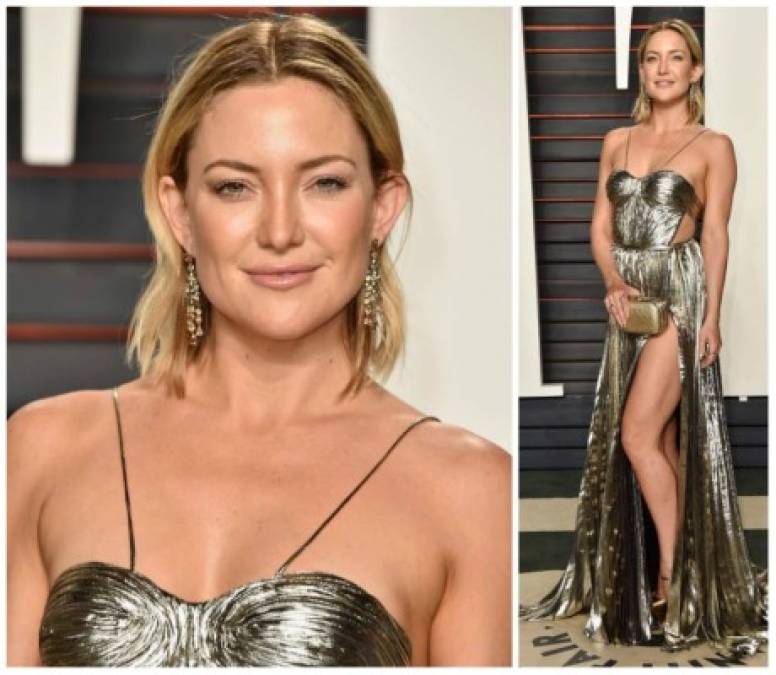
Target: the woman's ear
(697, 73)
(173, 205)
(391, 196)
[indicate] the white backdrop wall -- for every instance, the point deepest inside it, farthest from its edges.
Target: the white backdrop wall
(737, 104)
(529, 370)
(448, 73)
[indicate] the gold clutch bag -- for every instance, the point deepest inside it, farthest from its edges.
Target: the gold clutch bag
(648, 316)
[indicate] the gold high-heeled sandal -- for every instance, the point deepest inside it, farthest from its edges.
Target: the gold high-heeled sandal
(659, 607)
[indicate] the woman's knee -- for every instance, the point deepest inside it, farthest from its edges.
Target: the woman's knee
(638, 437)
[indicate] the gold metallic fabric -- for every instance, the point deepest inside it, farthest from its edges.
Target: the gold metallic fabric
(716, 593)
(100, 614)
(647, 316)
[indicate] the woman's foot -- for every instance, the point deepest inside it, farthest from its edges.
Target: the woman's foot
(664, 581)
(660, 604)
(658, 611)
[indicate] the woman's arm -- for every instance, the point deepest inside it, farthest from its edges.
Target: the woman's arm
(720, 184)
(472, 625)
(27, 581)
(602, 235)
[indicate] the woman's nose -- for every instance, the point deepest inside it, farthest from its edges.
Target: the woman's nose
(279, 225)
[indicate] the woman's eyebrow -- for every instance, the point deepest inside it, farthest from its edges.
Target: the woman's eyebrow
(670, 51)
(232, 164)
(325, 159)
(249, 168)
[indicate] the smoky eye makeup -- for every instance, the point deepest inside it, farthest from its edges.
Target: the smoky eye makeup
(232, 189)
(330, 183)
(229, 188)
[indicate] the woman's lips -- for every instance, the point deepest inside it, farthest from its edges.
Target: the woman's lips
(281, 278)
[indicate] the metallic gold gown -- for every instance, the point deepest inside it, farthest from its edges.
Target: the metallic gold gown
(716, 593)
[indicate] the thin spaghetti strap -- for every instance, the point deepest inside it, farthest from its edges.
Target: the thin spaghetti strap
(126, 485)
(683, 147)
(281, 570)
(627, 145)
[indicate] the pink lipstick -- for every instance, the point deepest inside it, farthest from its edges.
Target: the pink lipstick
(281, 277)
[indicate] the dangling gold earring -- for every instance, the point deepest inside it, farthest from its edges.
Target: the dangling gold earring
(191, 298)
(372, 310)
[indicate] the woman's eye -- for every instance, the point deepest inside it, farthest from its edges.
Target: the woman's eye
(230, 188)
(330, 184)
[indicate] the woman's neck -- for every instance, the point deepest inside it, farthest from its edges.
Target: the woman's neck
(266, 382)
(667, 119)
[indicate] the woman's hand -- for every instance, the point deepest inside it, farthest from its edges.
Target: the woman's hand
(616, 301)
(709, 342)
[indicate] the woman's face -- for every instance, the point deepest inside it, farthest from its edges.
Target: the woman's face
(667, 68)
(280, 207)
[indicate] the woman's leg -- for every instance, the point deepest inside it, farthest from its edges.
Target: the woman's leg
(670, 446)
(649, 441)
(670, 443)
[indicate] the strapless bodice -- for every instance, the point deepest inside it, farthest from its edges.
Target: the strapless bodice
(649, 209)
(100, 614)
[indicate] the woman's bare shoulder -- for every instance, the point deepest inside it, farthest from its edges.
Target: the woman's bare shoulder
(613, 144)
(710, 134)
(454, 469)
(463, 460)
(618, 133)
(48, 434)
(55, 415)
(447, 449)
(716, 142)
(716, 147)
(71, 412)
(616, 137)
(463, 485)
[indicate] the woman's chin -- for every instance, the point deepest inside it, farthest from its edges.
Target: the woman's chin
(284, 330)
(286, 334)
(666, 98)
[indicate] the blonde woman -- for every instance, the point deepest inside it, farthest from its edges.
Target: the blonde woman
(658, 430)
(255, 498)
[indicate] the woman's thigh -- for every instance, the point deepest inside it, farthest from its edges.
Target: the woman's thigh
(654, 392)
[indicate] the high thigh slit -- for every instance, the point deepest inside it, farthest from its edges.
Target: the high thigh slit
(649, 407)
(716, 593)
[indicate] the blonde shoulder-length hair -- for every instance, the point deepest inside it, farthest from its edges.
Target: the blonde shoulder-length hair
(261, 50)
(642, 108)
